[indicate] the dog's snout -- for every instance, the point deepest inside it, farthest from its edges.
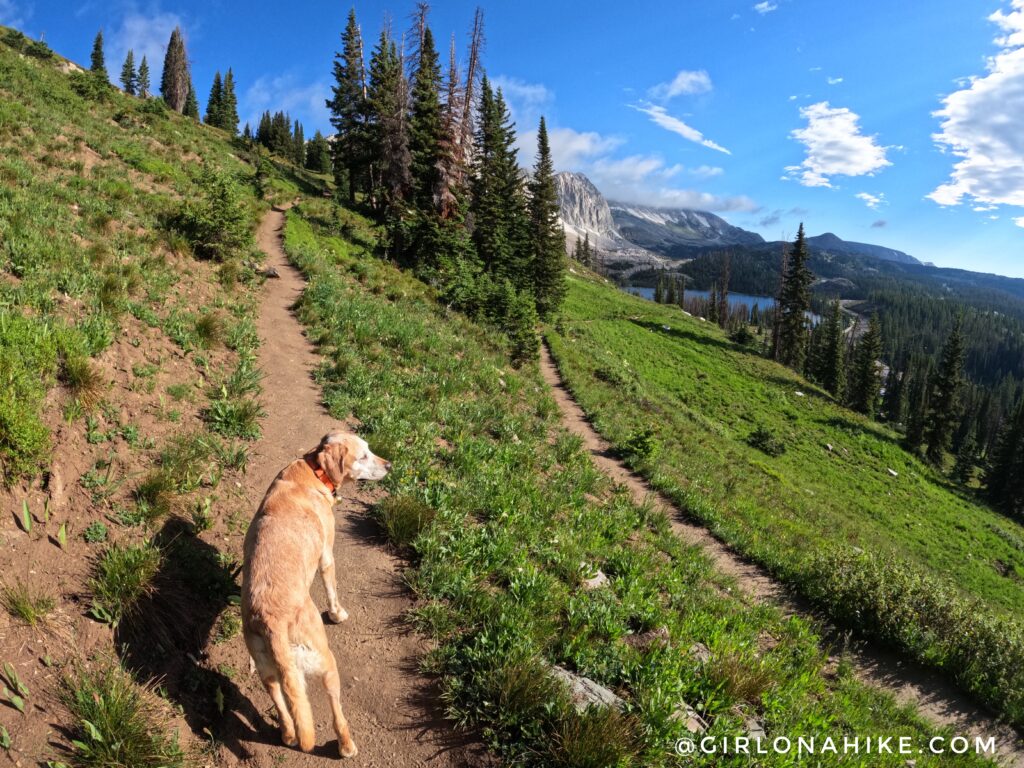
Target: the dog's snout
(387, 465)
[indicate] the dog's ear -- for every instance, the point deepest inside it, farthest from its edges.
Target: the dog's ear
(332, 457)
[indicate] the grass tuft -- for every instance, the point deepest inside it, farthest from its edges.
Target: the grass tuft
(597, 738)
(403, 519)
(25, 604)
(121, 577)
(83, 379)
(117, 722)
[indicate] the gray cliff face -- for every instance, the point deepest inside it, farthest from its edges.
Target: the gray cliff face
(584, 213)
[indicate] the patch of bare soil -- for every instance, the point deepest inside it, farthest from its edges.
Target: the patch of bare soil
(937, 700)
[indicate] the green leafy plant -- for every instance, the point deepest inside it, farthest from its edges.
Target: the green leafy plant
(121, 577)
(95, 532)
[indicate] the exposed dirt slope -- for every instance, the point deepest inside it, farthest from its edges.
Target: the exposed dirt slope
(936, 700)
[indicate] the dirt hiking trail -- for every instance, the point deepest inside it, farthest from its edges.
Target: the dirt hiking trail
(937, 700)
(394, 711)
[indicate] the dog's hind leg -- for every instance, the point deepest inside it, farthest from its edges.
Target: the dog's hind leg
(264, 664)
(332, 684)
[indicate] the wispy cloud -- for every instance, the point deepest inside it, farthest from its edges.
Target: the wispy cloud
(834, 80)
(305, 101)
(146, 35)
(834, 147)
(660, 117)
(14, 14)
(526, 101)
(872, 201)
(765, 7)
(1019, 221)
(980, 125)
(684, 83)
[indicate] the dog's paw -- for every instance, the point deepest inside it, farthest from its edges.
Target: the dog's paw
(348, 751)
(289, 739)
(338, 616)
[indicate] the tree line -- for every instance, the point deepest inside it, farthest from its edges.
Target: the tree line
(431, 153)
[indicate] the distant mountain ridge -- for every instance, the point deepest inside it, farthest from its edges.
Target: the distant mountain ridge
(630, 238)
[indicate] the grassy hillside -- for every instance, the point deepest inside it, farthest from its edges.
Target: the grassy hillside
(128, 400)
(786, 476)
(503, 517)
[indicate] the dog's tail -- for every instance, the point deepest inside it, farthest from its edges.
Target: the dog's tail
(293, 682)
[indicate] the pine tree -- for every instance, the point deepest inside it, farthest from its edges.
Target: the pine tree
(176, 83)
(229, 105)
(247, 133)
(1004, 481)
(425, 127)
(215, 103)
(670, 291)
(98, 65)
(944, 402)
(298, 145)
(348, 110)
(865, 378)
(794, 302)
(917, 403)
(588, 254)
(713, 304)
(681, 293)
(129, 78)
(659, 290)
(963, 470)
(388, 135)
(142, 82)
(832, 371)
(500, 217)
(723, 296)
(318, 154)
(547, 238)
(191, 104)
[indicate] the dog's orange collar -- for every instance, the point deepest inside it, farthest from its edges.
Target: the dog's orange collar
(319, 472)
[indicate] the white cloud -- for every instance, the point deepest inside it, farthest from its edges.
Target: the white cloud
(146, 35)
(835, 147)
(526, 101)
(765, 7)
(980, 125)
(305, 102)
(659, 116)
(706, 171)
(834, 80)
(814, 69)
(872, 201)
(684, 83)
(984, 208)
(1019, 221)
(13, 14)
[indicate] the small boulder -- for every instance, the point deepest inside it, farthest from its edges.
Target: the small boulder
(584, 692)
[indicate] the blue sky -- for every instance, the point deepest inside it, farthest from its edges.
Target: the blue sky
(885, 122)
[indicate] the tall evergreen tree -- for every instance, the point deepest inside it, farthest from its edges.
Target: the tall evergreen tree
(129, 78)
(98, 64)
(866, 378)
(1004, 481)
(348, 110)
(794, 302)
(388, 134)
(680, 292)
(830, 370)
(229, 105)
(298, 145)
(547, 238)
(191, 108)
(215, 103)
(176, 83)
(917, 402)
(500, 216)
(944, 403)
(425, 127)
(142, 83)
(723, 296)
(966, 457)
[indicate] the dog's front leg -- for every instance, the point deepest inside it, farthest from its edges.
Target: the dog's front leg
(334, 609)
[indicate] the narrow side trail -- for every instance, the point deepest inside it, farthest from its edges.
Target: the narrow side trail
(394, 711)
(938, 701)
